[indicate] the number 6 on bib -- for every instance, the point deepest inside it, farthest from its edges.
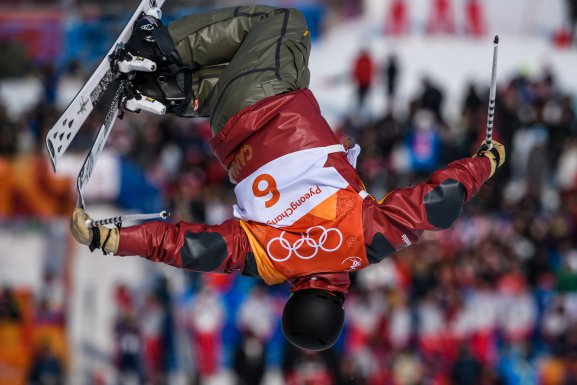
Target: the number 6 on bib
(270, 188)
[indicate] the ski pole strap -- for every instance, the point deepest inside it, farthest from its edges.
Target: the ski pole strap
(103, 247)
(95, 243)
(495, 153)
(492, 150)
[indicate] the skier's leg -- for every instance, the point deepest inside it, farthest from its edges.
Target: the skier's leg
(258, 50)
(272, 59)
(203, 82)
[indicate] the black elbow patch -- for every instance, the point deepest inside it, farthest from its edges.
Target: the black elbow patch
(204, 251)
(443, 204)
(379, 248)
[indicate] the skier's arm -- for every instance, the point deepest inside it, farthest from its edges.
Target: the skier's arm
(400, 218)
(437, 203)
(221, 248)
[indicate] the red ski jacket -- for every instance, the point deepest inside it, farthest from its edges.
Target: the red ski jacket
(302, 212)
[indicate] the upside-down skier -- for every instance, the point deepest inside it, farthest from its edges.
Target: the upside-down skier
(302, 212)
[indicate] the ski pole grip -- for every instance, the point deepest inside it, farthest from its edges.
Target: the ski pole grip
(102, 222)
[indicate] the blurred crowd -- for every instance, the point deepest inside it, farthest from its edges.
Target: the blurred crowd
(33, 333)
(492, 300)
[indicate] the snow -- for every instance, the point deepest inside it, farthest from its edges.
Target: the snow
(450, 61)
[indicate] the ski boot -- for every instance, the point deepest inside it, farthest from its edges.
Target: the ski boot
(158, 81)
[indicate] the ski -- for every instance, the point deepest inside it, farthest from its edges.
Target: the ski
(98, 145)
(65, 129)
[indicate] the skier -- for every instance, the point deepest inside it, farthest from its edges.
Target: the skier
(302, 212)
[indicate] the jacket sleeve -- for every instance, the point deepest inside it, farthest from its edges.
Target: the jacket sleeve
(222, 248)
(437, 203)
(400, 218)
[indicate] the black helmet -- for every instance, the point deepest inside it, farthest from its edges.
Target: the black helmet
(312, 319)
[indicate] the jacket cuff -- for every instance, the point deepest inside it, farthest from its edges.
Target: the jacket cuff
(486, 167)
(131, 241)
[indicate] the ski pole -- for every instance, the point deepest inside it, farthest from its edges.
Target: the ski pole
(126, 218)
(492, 91)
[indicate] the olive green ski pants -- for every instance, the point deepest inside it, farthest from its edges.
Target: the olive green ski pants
(242, 55)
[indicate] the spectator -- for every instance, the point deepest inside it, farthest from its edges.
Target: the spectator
(350, 372)
(556, 323)
(367, 309)
(9, 308)
(441, 18)
(205, 319)
(151, 320)
(250, 359)
(256, 315)
(128, 349)
(51, 299)
(516, 366)
(400, 323)
(431, 98)
(363, 76)
(431, 326)
(572, 13)
(407, 369)
(397, 22)
(519, 312)
(46, 368)
(309, 367)
(10, 133)
(391, 72)
(424, 142)
(467, 370)
(474, 19)
(472, 105)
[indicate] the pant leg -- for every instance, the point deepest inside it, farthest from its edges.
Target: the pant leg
(244, 55)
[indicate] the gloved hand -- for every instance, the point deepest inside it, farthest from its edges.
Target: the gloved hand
(106, 239)
(496, 155)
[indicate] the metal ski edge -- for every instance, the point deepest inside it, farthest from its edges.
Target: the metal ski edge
(89, 87)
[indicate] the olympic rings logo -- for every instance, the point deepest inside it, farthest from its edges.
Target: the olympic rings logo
(305, 240)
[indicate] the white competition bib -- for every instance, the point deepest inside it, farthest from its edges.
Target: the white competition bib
(287, 188)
